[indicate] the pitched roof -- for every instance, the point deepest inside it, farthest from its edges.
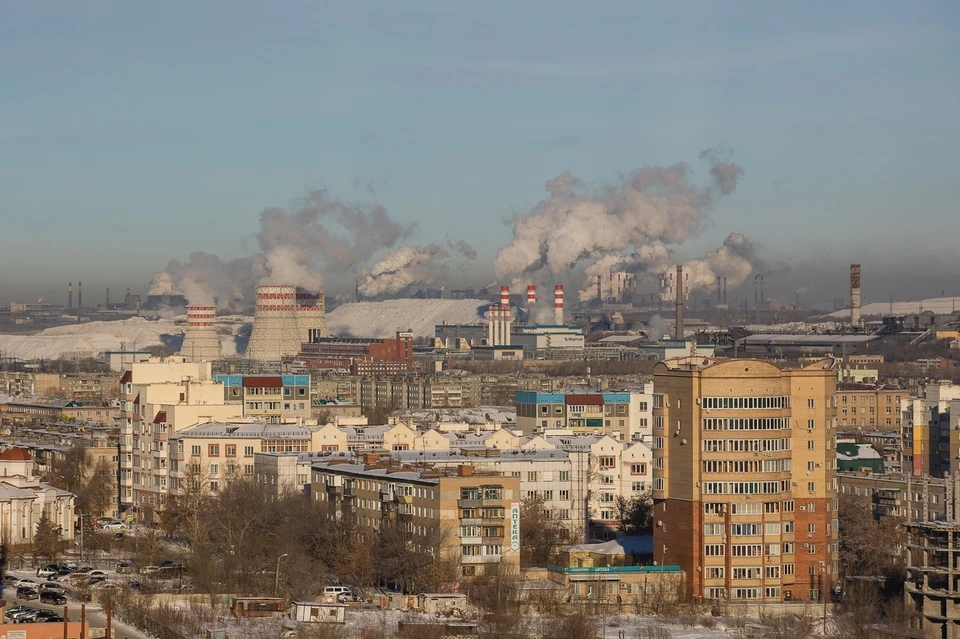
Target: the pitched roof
(15, 453)
(161, 417)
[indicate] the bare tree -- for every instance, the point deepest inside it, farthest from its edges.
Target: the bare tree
(543, 536)
(92, 483)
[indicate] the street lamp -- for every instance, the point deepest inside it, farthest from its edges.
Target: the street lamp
(276, 578)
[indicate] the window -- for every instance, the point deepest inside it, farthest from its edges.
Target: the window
(811, 528)
(715, 572)
(787, 527)
(814, 593)
(194, 450)
(811, 445)
(787, 547)
(213, 450)
(532, 475)
(811, 486)
(811, 465)
(564, 475)
(714, 550)
(608, 462)
(772, 572)
(750, 572)
(606, 480)
(638, 469)
(548, 495)
(788, 569)
(248, 451)
(230, 450)
(811, 403)
(564, 495)
(638, 486)
(712, 529)
(771, 528)
(812, 550)
(772, 592)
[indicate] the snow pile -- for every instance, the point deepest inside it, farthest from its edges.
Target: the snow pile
(383, 319)
(939, 305)
(796, 327)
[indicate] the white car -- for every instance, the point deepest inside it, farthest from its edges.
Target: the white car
(97, 574)
(25, 583)
(117, 526)
(46, 572)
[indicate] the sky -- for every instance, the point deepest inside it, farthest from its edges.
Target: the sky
(133, 133)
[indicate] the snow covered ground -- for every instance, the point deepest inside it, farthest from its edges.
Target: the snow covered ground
(796, 327)
(939, 305)
(90, 339)
(383, 319)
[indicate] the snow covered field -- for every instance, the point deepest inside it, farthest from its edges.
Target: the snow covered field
(939, 305)
(383, 319)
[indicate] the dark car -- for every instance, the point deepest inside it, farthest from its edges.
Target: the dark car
(54, 618)
(50, 597)
(46, 616)
(27, 593)
(9, 613)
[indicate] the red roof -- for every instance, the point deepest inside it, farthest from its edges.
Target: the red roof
(161, 417)
(262, 382)
(15, 453)
(586, 400)
(127, 377)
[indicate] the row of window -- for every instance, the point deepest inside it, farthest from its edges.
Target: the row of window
(750, 572)
(769, 445)
(747, 466)
(747, 402)
(755, 508)
(748, 529)
(764, 423)
(746, 487)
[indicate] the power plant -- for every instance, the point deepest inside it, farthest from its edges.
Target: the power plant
(200, 340)
(284, 319)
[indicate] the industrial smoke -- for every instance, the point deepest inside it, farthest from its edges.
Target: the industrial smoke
(410, 266)
(319, 233)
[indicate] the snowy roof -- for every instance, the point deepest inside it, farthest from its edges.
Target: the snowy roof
(633, 545)
(252, 430)
(858, 451)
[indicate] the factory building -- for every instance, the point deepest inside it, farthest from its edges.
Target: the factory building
(359, 356)
(744, 478)
(625, 415)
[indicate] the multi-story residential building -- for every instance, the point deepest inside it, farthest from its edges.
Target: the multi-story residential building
(744, 480)
(31, 409)
(920, 498)
(471, 518)
(159, 398)
(215, 452)
(22, 383)
(284, 472)
(625, 415)
(869, 406)
(928, 438)
(269, 398)
(24, 499)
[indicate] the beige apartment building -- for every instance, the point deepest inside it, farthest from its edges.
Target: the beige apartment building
(160, 397)
(467, 516)
(869, 406)
(744, 479)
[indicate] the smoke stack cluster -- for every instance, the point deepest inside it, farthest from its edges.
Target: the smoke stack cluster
(855, 295)
(498, 319)
(679, 303)
(70, 295)
(200, 341)
(276, 333)
(558, 304)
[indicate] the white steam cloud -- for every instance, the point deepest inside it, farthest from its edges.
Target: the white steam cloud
(410, 266)
(626, 226)
(319, 233)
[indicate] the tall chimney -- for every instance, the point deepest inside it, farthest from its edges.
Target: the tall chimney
(79, 294)
(719, 291)
(724, 289)
(70, 295)
(531, 295)
(600, 288)
(679, 303)
(558, 304)
(107, 303)
(756, 291)
(492, 325)
(855, 295)
(798, 299)
(505, 296)
(763, 298)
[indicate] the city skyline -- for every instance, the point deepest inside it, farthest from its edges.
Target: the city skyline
(136, 137)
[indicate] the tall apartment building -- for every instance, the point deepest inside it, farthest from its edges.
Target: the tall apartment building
(158, 398)
(471, 518)
(625, 415)
(928, 438)
(869, 406)
(269, 398)
(744, 480)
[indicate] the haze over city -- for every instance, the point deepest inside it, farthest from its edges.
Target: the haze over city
(133, 136)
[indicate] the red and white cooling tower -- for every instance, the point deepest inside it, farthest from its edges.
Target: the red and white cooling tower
(276, 330)
(311, 316)
(200, 340)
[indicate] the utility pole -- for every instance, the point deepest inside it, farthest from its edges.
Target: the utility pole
(276, 578)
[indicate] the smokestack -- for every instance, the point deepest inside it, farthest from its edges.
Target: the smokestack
(798, 299)
(558, 304)
(756, 291)
(276, 332)
(505, 296)
(763, 298)
(200, 340)
(107, 303)
(724, 289)
(855, 295)
(70, 295)
(79, 294)
(506, 325)
(311, 316)
(679, 303)
(492, 325)
(531, 295)
(719, 291)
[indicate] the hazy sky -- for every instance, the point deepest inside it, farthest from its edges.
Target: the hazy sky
(131, 133)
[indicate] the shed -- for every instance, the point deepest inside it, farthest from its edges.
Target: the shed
(439, 602)
(317, 612)
(256, 606)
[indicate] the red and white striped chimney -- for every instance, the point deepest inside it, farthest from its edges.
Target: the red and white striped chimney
(531, 295)
(558, 304)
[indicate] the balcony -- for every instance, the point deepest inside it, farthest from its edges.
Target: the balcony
(470, 541)
(405, 499)
(480, 559)
(334, 490)
(471, 521)
(470, 503)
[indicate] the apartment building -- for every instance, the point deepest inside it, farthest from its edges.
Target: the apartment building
(928, 438)
(470, 517)
(160, 397)
(284, 472)
(626, 415)
(744, 480)
(214, 452)
(269, 398)
(869, 406)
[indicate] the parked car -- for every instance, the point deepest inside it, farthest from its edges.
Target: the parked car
(25, 583)
(10, 580)
(47, 571)
(52, 586)
(54, 618)
(98, 573)
(27, 616)
(124, 567)
(342, 593)
(50, 597)
(113, 526)
(9, 613)
(82, 569)
(25, 592)
(149, 570)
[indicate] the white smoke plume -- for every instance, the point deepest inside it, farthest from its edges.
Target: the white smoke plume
(319, 233)
(735, 260)
(635, 220)
(410, 266)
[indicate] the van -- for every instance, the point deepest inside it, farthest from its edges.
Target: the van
(342, 593)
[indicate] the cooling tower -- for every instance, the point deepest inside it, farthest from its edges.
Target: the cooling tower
(200, 341)
(276, 331)
(311, 316)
